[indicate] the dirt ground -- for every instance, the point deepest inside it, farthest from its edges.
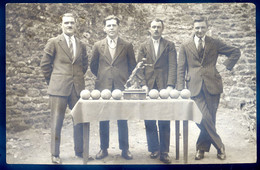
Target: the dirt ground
(33, 146)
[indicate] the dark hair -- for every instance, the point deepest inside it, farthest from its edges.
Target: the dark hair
(110, 17)
(200, 19)
(156, 20)
(68, 15)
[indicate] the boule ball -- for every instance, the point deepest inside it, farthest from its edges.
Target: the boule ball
(117, 94)
(164, 94)
(85, 94)
(153, 94)
(185, 94)
(95, 94)
(106, 94)
(174, 94)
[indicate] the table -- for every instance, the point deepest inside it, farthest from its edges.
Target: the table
(86, 111)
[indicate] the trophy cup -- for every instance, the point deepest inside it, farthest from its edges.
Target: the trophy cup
(133, 87)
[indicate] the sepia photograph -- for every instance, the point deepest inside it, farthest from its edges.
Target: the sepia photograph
(130, 83)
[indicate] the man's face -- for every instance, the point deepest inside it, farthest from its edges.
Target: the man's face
(200, 29)
(156, 30)
(111, 28)
(68, 25)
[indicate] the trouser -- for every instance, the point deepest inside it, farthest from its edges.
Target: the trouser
(122, 134)
(208, 105)
(58, 105)
(152, 135)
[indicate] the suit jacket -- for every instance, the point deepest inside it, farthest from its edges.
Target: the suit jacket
(164, 68)
(204, 71)
(112, 73)
(60, 70)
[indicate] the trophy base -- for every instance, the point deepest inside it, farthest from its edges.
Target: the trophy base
(135, 94)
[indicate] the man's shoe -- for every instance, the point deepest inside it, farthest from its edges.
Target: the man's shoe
(127, 154)
(199, 155)
(79, 155)
(55, 159)
(164, 157)
(102, 154)
(221, 153)
(154, 154)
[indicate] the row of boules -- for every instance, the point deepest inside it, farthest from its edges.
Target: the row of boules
(117, 94)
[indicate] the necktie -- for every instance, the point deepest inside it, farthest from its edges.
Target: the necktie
(112, 44)
(156, 46)
(71, 47)
(200, 48)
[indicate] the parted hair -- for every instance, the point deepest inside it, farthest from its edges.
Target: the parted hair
(110, 17)
(200, 19)
(70, 14)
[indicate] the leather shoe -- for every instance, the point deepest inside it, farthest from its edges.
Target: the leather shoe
(56, 159)
(199, 155)
(164, 157)
(221, 153)
(127, 154)
(154, 154)
(79, 155)
(102, 154)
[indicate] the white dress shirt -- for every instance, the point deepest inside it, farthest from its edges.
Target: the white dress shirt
(196, 40)
(73, 43)
(112, 43)
(156, 44)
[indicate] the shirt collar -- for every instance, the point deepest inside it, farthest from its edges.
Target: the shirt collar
(109, 39)
(67, 37)
(196, 39)
(157, 40)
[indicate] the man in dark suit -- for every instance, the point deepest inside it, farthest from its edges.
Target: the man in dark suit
(112, 62)
(64, 64)
(198, 57)
(162, 74)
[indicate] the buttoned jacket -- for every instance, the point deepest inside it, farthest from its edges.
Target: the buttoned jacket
(163, 69)
(112, 72)
(61, 70)
(195, 71)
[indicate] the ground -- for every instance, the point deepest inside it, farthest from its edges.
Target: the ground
(33, 146)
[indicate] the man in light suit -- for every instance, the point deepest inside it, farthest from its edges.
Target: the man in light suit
(162, 74)
(112, 62)
(64, 64)
(198, 57)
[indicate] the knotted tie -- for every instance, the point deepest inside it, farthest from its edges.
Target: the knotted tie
(112, 44)
(200, 48)
(156, 47)
(71, 47)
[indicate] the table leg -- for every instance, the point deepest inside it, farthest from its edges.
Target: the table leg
(177, 132)
(185, 140)
(86, 128)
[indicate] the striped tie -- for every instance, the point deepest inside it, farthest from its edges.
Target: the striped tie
(200, 48)
(71, 47)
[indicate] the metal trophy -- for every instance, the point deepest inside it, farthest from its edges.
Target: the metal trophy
(133, 89)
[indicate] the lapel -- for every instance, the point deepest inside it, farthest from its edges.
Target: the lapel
(150, 49)
(207, 47)
(191, 45)
(78, 49)
(105, 51)
(162, 46)
(63, 44)
(119, 49)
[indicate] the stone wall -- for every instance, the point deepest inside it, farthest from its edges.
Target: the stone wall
(29, 26)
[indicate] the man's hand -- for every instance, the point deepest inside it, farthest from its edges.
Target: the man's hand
(169, 88)
(146, 89)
